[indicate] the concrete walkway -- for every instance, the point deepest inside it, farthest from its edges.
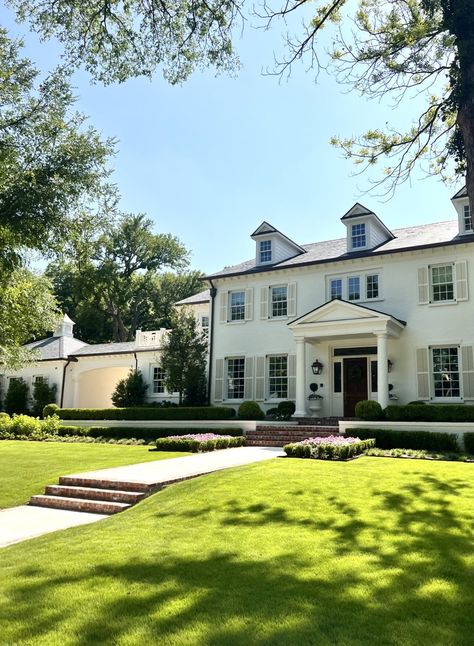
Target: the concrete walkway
(23, 522)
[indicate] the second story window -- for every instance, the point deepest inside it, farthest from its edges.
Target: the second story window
(279, 301)
(467, 218)
(265, 251)
(442, 283)
(336, 288)
(358, 236)
(372, 286)
(353, 288)
(237, 306)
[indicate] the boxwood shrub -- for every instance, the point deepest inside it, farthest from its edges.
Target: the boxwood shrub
(390, 439)
(328, 450)
(469, 442)
(195, 445)
(147, 413)
(420, 412)
(250, 410)
(369, 410)
(147, 434)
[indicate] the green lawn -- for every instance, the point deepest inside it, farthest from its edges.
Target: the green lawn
(27, 467)
(375, 551)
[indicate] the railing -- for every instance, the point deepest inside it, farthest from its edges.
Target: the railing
(149, 339)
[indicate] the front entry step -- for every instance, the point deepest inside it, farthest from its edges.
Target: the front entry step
(79, 504)
(267, 435)
(90, 493)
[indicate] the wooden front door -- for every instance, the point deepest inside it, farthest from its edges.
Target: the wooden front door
(355, 384)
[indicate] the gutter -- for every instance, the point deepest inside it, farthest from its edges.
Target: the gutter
(213, 293)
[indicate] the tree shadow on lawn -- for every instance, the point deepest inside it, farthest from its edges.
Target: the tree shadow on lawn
(407, 582)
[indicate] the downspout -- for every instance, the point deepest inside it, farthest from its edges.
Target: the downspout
(213, 292)
(63, 383)
(136, 361)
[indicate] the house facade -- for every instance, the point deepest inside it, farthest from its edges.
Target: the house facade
(377, 314)
(86, 375)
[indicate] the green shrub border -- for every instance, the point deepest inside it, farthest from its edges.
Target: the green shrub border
(328, 451)
(149, 434)
(390, 439)
(181, 413)
(195, 446)
(469, 442)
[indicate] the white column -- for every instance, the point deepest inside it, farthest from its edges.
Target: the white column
(382, 369)
(300, 378)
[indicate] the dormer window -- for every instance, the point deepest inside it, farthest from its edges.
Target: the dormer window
(358, 236)
(467, 218)
(265, 251)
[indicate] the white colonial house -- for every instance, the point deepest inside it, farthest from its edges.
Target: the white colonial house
(85, 375)
(378, 314)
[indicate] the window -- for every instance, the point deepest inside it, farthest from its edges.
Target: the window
(467, 218)
(237, 306)
(446, 372)
(204, 322)
(354, 288)
(40, 379)
(278, 377)
(235, 378)
(358, 236)
(336, 288)
(337, 377)
(279, 301)
(265, 251)
(373, 376)
(442, 283)
(372, 286)
(158, 380)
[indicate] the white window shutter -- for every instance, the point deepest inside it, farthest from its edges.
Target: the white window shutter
(467, 364)
(219, 381)
(292, 376)
(291, 299)
(423, 286)
(423, 373)
(248, 381)
(264, 294)
(249, 304)
(223, 304)
(461, 281)
(259, 378)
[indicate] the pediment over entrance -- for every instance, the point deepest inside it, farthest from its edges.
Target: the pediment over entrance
(341, 318)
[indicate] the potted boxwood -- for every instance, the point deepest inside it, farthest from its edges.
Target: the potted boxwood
(315, 400)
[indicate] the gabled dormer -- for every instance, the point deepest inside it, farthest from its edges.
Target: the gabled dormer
(461, 204)
(272, 246)
(365, 230)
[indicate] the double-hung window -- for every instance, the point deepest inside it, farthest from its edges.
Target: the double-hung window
(278, 377)
(336, 288)
(359, 287)
(353, 288)
(358, 236)
(279, 301)
(442, 283)
(445, 372)
(372, 286)
(237, 306)
(235, 378)
(158, 380)
(265, 250)
(467, 218)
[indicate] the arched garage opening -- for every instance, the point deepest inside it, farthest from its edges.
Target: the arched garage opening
(95, 387)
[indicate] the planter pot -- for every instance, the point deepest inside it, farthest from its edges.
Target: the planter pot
(314, 406)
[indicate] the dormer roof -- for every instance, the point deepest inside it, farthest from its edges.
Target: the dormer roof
(267, 229)
(461, 193)
(361, 211)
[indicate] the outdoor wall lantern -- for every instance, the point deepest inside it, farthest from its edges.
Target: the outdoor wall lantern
(389, 365)
(317, 367)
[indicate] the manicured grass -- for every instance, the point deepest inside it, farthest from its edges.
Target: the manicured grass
(373, 551)
(27, 467)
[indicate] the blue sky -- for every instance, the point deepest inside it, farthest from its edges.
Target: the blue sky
(209, 160)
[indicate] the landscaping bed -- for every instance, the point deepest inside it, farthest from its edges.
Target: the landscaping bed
(333, 447)
(198, 442)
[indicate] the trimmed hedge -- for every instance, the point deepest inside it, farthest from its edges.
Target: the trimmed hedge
(195, 446)
(250, 410)
(389, 439)
(420, 412)
(328, 451)
(469, 442)
(369, 410)
(146, 413)
(148, 434)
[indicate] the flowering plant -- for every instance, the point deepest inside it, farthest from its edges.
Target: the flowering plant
(334, 447)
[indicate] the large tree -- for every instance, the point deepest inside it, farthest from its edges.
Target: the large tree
(400, 47)
(109, 278)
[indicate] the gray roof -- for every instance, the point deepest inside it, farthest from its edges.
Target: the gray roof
(202, 297)
(426, 235)
(55, 347)
(107, 348)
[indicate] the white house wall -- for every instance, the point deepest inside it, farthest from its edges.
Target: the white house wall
(430, 324)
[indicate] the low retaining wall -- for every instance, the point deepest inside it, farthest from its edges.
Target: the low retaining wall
(457, 428)
(116, 423)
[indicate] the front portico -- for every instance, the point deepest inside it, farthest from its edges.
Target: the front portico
(342, 322)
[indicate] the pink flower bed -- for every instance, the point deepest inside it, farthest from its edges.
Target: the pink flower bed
(335, 440)
(199, 437)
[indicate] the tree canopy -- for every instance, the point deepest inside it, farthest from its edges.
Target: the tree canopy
(403, 48)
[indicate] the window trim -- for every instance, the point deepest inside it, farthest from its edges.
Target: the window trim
(467, 217)
(353, 235)
(444, 399)
(362, 276)
(154, 393)
(270, 302)
(268, 250)
(229, 306)
(446, 301)
(268, 398)
(226, 378)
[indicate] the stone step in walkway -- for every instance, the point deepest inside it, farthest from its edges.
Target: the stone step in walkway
(266, 435)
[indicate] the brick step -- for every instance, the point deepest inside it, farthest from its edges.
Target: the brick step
(78, 504)
(89, 493)
(296, 429)
(97, 483)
